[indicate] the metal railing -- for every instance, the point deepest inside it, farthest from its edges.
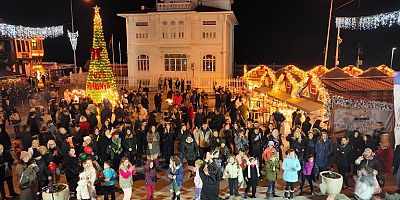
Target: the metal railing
(170, 6)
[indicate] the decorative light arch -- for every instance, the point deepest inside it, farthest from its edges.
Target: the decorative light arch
(353, 70)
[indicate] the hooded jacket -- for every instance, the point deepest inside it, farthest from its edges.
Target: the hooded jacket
(291, 166)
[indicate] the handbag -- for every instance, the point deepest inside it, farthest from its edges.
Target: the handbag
(24, 186)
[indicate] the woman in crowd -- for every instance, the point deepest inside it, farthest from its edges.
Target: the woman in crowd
(343, 159)
(175, 174)
(6, 175)
(28, 181)
(324, 150)
(153, 144)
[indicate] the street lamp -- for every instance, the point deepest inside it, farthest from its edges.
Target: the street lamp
(391, 60)
(73, 31)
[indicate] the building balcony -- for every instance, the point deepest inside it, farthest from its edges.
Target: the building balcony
(170, 6)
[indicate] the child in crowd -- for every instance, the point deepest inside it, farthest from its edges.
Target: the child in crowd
(291, 165)
(198, 184)
(150, 178)
(175, 174)
(308, 174)
(109, 178)
(126, 171)
(272, 168)
(234, 173)
(224, 151)
(268, 151)
(83, 190)
(252, 173)
(217, 159)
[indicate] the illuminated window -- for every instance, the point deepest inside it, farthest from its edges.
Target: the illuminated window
(175, 62)
(209, 63)
(142, 24)
(19, 45)
(23, 46)
(27, 45)
(34, 45)
(209, 23)
(143, 63)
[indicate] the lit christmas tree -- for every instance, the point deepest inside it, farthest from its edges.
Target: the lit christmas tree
(100, 82)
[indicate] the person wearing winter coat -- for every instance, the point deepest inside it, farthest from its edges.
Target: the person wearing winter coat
(150, 178)
(384, 155)
(153, 143)
(198, 184)
(272, 168)
(202, 137)
(275, 137)
(296, 142)
(233, 172)
(175, 174)
(308, 173)
(251, 176)
(343, 159)
(83, 191)
(6, 174)
(241, 141)
(210, 175)
(26, 172)
(268, 151)
(324, 150)
(168, 135)
(356, 141)
(129, 146)
(126, 172)
(109, 181)
(365, 186)
(309, 143)
(290, 166)
(190, 151)
(256, 141)
(182, 135)
(115, 149)
(71, 171)
(199, 118)
(367, 160)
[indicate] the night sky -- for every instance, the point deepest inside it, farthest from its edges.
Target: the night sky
(270, 31)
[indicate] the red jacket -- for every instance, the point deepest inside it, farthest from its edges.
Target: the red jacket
(85, 127)
(177, 100)
(385, 157)
(191, 112)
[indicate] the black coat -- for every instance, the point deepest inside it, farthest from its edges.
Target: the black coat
(105, 114)
(190, 151)
(93, 122)
(129, 146)
(305, 127)
(210, 190)
(396, 159)
(256, 145)
(5, 140)
(5, 157)
(199, 119)
(372, 164)
(344, 158)
(309, 146)
(253, 178)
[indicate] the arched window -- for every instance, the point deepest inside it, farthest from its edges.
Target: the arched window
(143, 62)
(209, 63)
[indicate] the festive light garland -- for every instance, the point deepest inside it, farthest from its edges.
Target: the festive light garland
(12, 31)
(360, 104)
(353, 70)
(369, 22)
(319, 70)
(385, 69)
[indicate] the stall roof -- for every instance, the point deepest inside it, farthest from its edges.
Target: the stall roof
(300, 103)
(372, 73)
(360, 84)
(4, 74)
(336, 73)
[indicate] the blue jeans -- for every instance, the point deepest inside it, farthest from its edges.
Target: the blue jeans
(197, 193)
(271, 186)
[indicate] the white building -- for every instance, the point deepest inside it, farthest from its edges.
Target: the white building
(187, 39)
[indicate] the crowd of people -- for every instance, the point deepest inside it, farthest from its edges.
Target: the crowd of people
(99, 148)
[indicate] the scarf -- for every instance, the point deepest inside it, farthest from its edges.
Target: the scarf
(248, 170)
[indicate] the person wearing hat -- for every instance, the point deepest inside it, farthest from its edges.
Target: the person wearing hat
(26, 172)
(268, 151)
(367, 160)
(190, 151)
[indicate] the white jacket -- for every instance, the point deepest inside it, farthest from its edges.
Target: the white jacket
(197, 180)
(83, 190)
(233, 171)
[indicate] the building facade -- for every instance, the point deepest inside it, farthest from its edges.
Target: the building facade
(190, 40)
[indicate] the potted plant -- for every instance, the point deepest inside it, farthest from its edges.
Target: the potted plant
(55, 191)
(331, 183)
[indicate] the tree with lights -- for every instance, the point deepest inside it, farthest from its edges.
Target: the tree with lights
(100, 82)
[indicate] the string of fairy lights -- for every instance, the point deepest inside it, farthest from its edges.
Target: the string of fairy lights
(13, 31)
(369, 22)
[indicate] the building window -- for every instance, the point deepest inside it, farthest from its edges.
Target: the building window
(143, 63)
(209, 23)
(23, 46)
(209, 63)
(34, 46)
(209, 35)
(175, 62)
(27, 46)
(172, 23)
(19, 45)
(142, 24)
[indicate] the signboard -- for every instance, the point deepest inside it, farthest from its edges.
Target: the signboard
(396, 93)
(363, 120)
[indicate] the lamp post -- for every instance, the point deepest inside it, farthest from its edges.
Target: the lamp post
(327, 35)
(391, 59)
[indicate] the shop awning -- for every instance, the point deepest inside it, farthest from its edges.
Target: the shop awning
(5, 74)
(262, 90)
(300, 103)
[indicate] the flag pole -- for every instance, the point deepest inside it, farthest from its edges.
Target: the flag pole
(112, 49)
(338, 41)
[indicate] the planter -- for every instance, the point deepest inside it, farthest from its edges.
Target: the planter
(331, 185)
(61, 195)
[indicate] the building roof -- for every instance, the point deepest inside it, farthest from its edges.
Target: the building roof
(4, 74)
(360, 84)
(336, 73)
(199, 8)
(373, 72)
